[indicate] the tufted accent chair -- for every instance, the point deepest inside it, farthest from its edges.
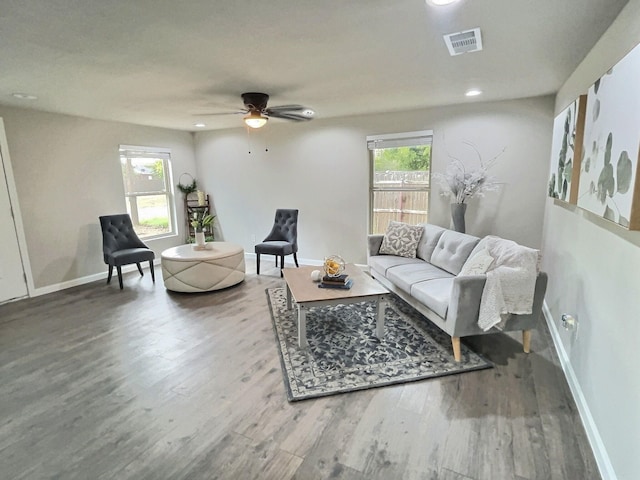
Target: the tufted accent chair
(121, 245)
(283, 239)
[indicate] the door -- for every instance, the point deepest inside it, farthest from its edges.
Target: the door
(12, 280)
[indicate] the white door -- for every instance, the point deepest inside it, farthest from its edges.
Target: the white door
(12, 280)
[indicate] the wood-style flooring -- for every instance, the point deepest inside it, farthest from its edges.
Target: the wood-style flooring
(99, 383)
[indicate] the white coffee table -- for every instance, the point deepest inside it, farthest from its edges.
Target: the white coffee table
(308, 295)
(185, 269)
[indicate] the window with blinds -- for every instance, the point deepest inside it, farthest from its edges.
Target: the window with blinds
(400, 178)
(146, 175)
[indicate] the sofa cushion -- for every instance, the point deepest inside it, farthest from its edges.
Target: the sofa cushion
(428, 241)
(401, 239)
(435, 294)
(403, 276)
(382, 263)
(452, 250)
(478, 263)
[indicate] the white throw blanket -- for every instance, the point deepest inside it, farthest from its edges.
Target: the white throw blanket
(511, 281)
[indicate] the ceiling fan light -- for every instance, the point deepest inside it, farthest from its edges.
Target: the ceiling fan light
(440, 3)
(255, 120)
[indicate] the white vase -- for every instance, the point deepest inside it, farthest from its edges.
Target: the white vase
(200, 242)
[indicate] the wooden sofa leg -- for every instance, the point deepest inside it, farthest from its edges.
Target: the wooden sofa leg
(526, 341)
(455, 341)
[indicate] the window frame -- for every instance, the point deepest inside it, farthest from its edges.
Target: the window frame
(395, 140)
(164, 154)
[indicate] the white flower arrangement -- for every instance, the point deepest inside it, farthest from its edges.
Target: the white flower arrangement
(461, 184)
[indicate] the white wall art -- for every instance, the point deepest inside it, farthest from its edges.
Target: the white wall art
(611, 145)
(566, 151)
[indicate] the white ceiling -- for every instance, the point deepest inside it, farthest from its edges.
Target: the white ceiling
(164, 62)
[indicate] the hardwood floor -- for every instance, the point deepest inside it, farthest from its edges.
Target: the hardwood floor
(98, 383)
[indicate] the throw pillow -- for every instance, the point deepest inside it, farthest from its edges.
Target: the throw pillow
(478, 264)
(401, 239)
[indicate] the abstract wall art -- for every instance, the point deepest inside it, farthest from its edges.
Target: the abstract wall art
(608, 172)
(566, 151)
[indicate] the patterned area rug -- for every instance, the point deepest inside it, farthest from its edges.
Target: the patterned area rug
(345, 355)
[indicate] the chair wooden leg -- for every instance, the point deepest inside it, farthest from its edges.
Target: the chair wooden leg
(257, 263)
(455, 341)
(295, 259)
(110, 274)
(153, 275)
(526, 341)
(281, 264)
(276, 260)
(140, 269)
(119, 268)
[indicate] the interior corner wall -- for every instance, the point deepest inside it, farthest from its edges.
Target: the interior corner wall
(593, 270)
(322, 168)
(67, 173)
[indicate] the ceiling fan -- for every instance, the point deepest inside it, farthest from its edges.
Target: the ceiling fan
(257, 113)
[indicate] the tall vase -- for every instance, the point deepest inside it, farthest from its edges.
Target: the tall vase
(457, 215)
(200, 239)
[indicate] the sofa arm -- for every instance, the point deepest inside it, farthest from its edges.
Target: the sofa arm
(464, 304)
(373, 244)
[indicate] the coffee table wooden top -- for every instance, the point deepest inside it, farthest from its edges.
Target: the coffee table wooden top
(305, 290)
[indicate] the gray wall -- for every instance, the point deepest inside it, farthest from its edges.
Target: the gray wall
(322, 168)
(593, 270)
(67, 173)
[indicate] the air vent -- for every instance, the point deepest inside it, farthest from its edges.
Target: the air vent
(464, 42)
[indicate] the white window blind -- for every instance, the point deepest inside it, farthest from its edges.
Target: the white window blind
(406, 139)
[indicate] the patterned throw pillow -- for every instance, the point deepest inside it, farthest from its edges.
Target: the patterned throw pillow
(401, 239)
(478, 264)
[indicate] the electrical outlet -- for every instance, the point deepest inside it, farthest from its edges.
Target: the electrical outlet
(568, 321)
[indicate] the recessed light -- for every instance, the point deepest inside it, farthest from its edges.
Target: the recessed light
(439, 3)
(24, 96)
(199, 125)
(474, 92)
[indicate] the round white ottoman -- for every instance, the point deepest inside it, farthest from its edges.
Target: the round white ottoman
(187, 270)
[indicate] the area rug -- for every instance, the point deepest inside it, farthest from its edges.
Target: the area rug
(344, 354)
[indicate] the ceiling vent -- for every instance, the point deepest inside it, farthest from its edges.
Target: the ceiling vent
(464, 42)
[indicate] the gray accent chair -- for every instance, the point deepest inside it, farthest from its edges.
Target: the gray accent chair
(431, 284)
(121, 245)
(282, 240)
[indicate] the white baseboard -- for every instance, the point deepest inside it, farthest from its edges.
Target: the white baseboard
(88, 279)
(130, 268)
(288, 260)
(595, 440)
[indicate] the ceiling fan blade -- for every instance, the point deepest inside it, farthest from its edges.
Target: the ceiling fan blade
(294, 116)
(221, 113)
(294, 107)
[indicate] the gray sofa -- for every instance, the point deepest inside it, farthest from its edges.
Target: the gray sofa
(431, 284)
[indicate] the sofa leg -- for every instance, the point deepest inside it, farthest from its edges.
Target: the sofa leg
(455, 341)
(526, 341)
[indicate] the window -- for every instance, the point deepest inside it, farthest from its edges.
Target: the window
(400, 171)
(146, 175)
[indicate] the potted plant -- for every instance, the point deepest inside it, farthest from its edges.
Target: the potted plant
(199, 221)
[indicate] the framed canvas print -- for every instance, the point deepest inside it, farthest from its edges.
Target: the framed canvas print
(566, 151)
(608, 173)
